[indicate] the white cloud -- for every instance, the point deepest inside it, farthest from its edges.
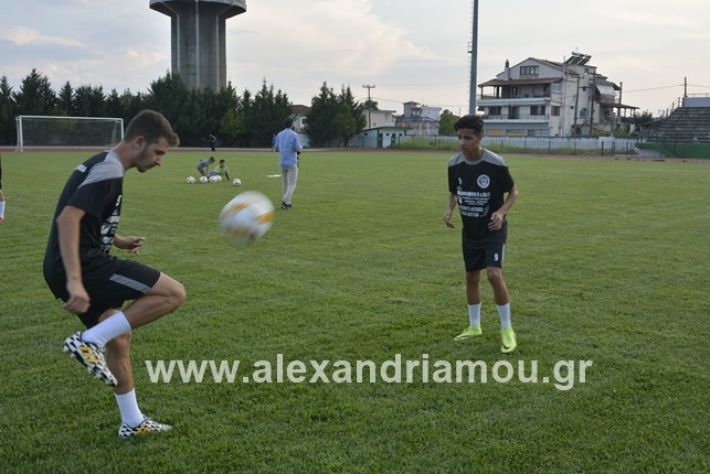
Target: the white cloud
(22, 35)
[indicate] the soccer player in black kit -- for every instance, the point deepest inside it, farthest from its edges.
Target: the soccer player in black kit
(481, 185)
(93, 284)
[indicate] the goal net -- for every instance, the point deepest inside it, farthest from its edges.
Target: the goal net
(68, 132)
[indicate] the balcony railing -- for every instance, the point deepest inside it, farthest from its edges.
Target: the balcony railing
(545, 117)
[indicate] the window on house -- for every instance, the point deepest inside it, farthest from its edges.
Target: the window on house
(514, 92)
(528, 70)
(555, 111)
(537, 110)
(494, 111)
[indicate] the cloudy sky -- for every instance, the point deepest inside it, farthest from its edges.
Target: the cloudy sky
(410, 49)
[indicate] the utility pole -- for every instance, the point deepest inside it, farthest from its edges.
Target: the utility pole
(591, 114)
(369, 104)
(474, 61)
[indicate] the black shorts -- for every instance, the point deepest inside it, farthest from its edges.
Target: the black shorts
(479, 255)
(110, 282)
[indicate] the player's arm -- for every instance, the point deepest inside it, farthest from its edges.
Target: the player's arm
(449, 210)
(497, 217)
(68, 224)
(131, 243)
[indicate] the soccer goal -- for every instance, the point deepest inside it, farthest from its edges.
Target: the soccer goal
(37, 131)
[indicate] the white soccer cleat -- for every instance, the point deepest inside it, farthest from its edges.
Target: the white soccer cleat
(90, 356)
(147, 426)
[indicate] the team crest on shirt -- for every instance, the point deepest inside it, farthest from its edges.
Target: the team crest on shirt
(483, 181)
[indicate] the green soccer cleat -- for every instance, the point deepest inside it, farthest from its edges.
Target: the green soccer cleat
(471, 331)
(508, 342)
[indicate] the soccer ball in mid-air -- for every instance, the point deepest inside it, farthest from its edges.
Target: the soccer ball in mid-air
(237, 182)
(247, 217)
(203, 179)
(190, 180)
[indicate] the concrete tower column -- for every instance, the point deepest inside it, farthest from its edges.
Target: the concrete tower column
(198, 39)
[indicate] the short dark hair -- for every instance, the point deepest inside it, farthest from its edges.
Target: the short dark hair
(211, 160)
(152, 126)
(473, 122)
(221, 161)
(288, 123)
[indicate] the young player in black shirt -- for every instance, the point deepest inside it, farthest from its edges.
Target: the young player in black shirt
(481, 185)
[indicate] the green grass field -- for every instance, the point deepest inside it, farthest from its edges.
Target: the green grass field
(607, 261)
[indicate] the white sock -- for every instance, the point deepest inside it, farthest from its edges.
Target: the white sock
(128, 406)
(108, 329)
(2, 209)
(504, 313)
(474, 314)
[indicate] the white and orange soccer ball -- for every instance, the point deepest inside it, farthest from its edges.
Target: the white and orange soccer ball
(247, 217)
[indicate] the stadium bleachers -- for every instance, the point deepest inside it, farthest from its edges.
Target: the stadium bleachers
(684, 124)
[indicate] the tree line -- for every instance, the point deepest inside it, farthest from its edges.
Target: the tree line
(246, 120)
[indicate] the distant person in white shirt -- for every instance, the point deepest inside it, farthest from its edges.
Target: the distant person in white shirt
(289, 147)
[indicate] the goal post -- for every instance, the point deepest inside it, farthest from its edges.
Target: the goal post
(44, 131)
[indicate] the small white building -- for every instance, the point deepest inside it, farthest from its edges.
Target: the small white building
(419, 120)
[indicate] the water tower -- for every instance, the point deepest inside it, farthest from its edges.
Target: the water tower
(198, 38)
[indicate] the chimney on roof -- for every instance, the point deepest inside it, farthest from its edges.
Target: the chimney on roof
(507, 69)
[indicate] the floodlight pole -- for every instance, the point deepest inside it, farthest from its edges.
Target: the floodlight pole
(369, 104)
(474, 61)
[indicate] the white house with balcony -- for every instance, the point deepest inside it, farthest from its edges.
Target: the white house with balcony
(542, 98)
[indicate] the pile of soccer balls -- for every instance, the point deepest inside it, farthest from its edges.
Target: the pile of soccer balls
(211, 179)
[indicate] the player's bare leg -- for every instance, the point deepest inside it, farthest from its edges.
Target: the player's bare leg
(166, 296)
(473, 298)
(502, 299)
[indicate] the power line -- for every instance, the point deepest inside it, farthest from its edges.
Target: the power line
(653, 88)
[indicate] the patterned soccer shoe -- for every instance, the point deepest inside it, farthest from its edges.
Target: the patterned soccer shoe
(147, 426)
(508, 342)
(90, 356)
(469, 332)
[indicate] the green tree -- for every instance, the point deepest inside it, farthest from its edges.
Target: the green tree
(267, 115)
(8, 110)
(89, 102)
(320, 121)
(35, 96)
(446, 123)
(349, 118)
(65, 101)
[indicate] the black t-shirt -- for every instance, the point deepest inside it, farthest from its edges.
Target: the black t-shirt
(480, 187)
(96, 187)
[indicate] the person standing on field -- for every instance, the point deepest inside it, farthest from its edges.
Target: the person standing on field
(2, 196)
(481, 185)
(289, 147)
(93, 284)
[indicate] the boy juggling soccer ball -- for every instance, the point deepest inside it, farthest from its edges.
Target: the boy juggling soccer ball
(481, 185)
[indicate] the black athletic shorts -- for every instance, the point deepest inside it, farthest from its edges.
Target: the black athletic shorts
(479, 255)
(110, 282)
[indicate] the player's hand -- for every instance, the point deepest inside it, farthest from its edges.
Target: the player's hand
(131, 243)
(447, 219)
(496, 222)
(78, 301)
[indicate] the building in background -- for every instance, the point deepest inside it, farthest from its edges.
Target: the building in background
(419, 120)
(542, 98)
